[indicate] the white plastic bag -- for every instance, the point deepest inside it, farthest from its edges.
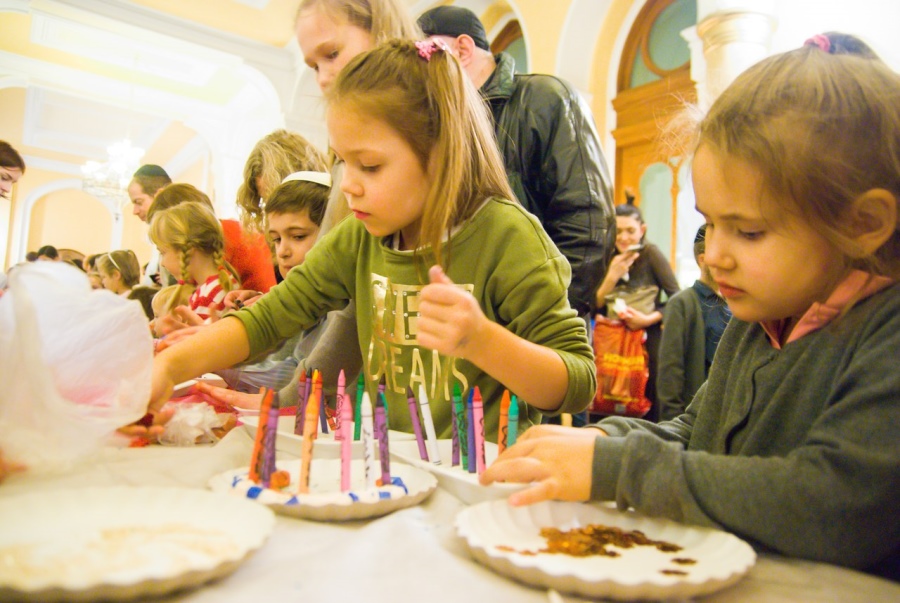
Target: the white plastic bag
(75, 364)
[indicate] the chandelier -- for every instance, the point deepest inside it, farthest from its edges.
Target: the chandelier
(109, 180)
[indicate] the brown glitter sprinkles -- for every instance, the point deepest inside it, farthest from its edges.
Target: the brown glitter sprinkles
(594, 539)
(684, 561)
(670, 572)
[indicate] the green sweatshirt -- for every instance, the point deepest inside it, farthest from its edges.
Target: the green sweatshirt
(502, 255)
(796, 450)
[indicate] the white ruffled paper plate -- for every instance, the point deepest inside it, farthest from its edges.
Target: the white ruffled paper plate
(326, 447)
(506, 539)
(325, 501)
(455, 480)
(121, 543)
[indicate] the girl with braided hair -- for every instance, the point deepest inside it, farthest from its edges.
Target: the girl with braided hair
(191, 246)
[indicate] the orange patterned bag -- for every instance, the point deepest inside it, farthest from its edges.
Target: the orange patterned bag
(622, 369)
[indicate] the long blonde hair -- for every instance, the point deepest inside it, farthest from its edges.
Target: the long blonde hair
(384, 19)
(822, 129)
(434, 107)
(192, 226)
(275, 156)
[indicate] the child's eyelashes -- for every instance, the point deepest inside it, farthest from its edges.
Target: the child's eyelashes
(369, 168)
(751, 235)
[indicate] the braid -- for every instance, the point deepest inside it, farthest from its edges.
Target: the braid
(185, 286)
(224, 276)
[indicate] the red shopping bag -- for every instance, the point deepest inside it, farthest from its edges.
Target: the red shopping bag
(622, 369)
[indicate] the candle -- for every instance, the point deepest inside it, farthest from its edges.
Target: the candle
(433, 453)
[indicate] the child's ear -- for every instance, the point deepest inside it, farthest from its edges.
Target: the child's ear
(873, 219)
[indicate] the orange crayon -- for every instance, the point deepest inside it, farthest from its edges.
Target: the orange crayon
(256, 456)
(504, 422)
(310, 431)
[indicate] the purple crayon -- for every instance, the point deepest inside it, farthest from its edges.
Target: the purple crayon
(304, 401)
(268, 453)
(414, 419)
(302, 384)
(381, 434)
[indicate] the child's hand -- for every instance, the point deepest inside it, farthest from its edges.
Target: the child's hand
(149, 429)
(556, 460)
(240, 298)
(177, 336)
(449, 317)
(230, 397)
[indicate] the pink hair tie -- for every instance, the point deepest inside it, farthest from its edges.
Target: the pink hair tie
(426, 49)
(180, 282)
(820, 40)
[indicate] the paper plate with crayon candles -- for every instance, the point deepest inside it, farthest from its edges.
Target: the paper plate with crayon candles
(325, 501)
(325, 446)
(456, 480)
(597, 551)
(122, 543)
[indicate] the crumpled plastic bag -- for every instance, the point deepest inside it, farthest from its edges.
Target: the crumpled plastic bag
(192, 423)
(75, 364)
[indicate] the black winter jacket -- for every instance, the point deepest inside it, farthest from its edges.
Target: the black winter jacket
(556, 167)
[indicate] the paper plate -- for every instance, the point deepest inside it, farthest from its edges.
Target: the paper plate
(457, 481)
(325, 501)
(507, 539)
(326, 447)
(122, 543)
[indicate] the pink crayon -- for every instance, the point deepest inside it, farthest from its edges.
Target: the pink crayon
(478, 418)
(414, 419)
(345, 429)
(339, 406)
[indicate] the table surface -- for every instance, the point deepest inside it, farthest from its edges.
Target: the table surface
(410, 555)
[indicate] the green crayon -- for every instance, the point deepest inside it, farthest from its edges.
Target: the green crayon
(357, 406)
(461, 426)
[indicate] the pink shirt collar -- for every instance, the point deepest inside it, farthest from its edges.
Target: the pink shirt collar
(857, 286)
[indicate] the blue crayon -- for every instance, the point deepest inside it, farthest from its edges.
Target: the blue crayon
(513, 431)
(470, 418)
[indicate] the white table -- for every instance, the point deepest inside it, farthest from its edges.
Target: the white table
(411, 555)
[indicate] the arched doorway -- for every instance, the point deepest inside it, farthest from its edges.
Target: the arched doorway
(654, 83)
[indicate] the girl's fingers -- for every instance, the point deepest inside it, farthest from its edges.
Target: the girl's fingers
(539, 492)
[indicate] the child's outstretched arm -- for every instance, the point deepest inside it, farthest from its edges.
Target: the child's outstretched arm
(218, 346)
(556, 460)
(451, 322)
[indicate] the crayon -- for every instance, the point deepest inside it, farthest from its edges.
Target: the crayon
(345, 428)
(360, 389)
(268, 462)
(305, 400)
(309, 437)
(368, 440)
(513, 421)
(256, 455)
(301, 406)
(381, 388)
(461, 426)
(381, 434)
(414, 419)
(470, 418)
(339, 406)
(503, 430)
(454, 430)
(478, 418)
(433, 453)
(323, 402)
